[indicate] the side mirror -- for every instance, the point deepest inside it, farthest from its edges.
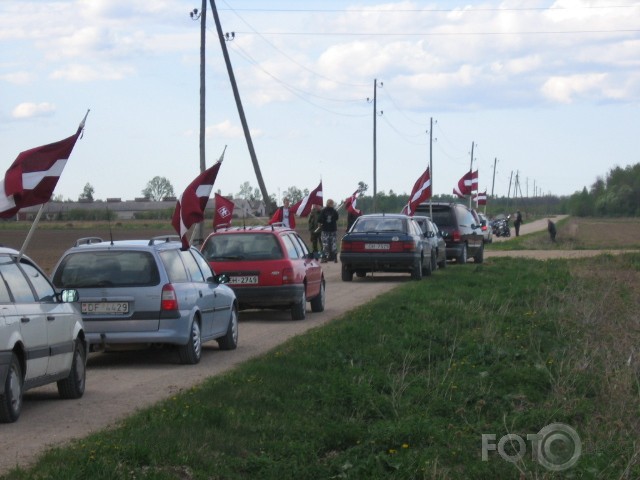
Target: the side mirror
(69, 295)
(222, 278)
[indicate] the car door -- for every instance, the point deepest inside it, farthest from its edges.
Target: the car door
(32, 320)
(204, 292)
(221, 302)
(60, 323)
(313, 270)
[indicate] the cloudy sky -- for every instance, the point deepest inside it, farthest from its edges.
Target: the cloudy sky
(549, 89)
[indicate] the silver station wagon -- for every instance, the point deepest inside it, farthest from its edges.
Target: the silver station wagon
(147, 292)
(42, 337)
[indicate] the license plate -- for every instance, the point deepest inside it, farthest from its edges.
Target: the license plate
(377, 246)
(115, 308)
(244, 280)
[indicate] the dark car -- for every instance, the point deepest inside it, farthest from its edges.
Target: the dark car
(268, 267)
(385, 243)
(460, 229)
(433, 235)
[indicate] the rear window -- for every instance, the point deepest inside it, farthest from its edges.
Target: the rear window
(242, 246)
(442, 217)
(107, 269)
(378, 224)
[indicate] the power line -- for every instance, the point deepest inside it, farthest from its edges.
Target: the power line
(426, 10)
(441, 34)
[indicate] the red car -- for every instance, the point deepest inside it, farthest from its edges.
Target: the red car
(268, 267)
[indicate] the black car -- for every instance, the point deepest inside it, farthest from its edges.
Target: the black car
(460, 230)
(385, 243)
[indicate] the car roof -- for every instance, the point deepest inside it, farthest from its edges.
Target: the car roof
(162, 242)
(386, 215)
(8, 251)
(252, 229)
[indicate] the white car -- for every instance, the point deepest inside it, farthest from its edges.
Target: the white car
(42, 336)
(487, 233)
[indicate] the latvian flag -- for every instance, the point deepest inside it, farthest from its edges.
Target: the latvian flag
(481, 198)
(303, 207)
(467, 184)
(421, 192)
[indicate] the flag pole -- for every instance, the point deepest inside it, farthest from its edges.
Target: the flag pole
(471, 172)
(31, 231)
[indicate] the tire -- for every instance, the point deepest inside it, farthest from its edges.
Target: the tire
(416, 271)
(443, 263)
(463, 256)
(299, 310)
(434, 260)
(230, 339)
(191, 352)
(479, 257)
(361, 273)
(73, 386)
(347, 273)
(317, 303)
(11, 398)
(426, 271)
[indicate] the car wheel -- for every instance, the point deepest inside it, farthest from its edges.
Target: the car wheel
(317, 303)
(191, 352)
(443, 263)
(479, 257)
(299, 310)
(361, 273)
(347, 273)
(416, 271)
(11, 398)
(73, 385)
(230, 339)
(463, 255)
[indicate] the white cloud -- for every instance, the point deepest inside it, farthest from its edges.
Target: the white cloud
(567, 89)
(17, 78)
(86, 73)
(30, 110)
(226, 129)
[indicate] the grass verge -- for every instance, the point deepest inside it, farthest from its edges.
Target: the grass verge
(405, 386)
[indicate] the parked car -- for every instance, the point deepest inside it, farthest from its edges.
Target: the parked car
(385, 243)
(460, 230)
(268, 267)
(146, 292)
(433, 235)
(42, 337)
(487, 231)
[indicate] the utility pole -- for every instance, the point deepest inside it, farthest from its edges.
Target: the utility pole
(236, 94)
(431, 165)
(202, 16)
(375, 148)
(471, 171)
(493, 182)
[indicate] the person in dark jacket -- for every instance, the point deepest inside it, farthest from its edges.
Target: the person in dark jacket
(551, 227)
(314, 227)
(328, 221)
(518, 222)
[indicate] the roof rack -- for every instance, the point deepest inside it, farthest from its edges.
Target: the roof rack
(88, 241)
(164, 238)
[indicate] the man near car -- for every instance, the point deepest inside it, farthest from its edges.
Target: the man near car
(328, 221)
(314, 231)
(518, 222)
(551, 227)
(284, 215)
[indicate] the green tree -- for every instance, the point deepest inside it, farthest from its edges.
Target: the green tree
(87, 193)
(158, 188)
(246, 191)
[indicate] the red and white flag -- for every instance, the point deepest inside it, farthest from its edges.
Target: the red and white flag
(481, 198)
(191, 204)
(421, 192)
(350, 204)
(223, 213)
(303, 207)
(474, 181)
(34, 174)
(467, 184)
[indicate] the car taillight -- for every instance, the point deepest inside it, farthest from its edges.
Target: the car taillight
(456, 235)
(345, 246)
(287, 275)
(409, 246)
(169, 299)
(484, 228)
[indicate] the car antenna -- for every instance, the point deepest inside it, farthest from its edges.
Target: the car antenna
(109, 220)
(244, 219)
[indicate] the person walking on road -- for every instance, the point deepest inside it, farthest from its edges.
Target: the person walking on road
(314, 227)
(328, 221)
(518, 222)
(551, 227)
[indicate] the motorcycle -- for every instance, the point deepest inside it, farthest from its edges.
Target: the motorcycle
(501, 227)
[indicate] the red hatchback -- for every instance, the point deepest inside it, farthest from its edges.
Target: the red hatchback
(268, 267)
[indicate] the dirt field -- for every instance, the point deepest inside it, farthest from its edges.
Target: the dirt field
(119, 384)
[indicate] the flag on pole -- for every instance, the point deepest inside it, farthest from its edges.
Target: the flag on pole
(303, 207)
(191, 204)
(34, 174)
(421, 192)
(474, 181)
(350, 204)
(481, 198)
(223, 213)
(467, 184)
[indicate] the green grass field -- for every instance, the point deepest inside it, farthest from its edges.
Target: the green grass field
(405, 387)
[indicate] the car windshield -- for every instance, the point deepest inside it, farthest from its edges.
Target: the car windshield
(107, 269)
(242, 246)
(380, 224)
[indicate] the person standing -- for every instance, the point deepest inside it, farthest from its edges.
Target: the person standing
(328, 221)
(551, 227)
(314, 227)
(285, 215)
(518, 222)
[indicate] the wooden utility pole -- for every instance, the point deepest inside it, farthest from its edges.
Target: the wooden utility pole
(471, 171)
(431, 165)
(375, 115)
(493, 182)
(245, 127)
